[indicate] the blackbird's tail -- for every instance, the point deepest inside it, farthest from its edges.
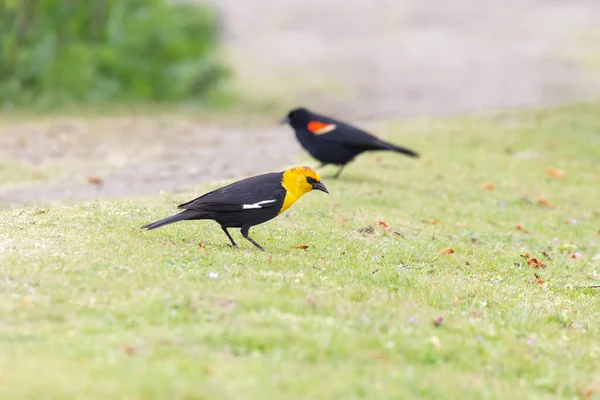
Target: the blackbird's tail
(398, 149)
(182, 216)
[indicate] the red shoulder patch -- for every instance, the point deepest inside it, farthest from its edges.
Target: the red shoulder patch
(319, 128)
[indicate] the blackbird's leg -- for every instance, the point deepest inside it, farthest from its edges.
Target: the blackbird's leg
(233, 243)
(339, 172)
(244, 232)
(323, 164)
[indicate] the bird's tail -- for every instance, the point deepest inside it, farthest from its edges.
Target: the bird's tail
(398, 149)
(182, 216)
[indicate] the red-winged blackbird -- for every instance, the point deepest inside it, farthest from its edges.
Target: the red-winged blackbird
(249, 202)
(334, 142)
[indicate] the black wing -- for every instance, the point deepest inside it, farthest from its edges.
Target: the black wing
(352, 136)
(260, 191)
(348, 135)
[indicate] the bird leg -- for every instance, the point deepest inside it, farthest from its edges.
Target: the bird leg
(233, 243)
(339, 172)
(244, 232)
(322, 165)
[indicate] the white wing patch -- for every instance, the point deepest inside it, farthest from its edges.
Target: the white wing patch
(257, 205)
(325, 129)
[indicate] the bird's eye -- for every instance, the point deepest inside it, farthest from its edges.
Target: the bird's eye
(310, 180)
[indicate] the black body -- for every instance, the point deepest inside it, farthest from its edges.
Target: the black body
(242, 204)
(226, 205)
(339, 146)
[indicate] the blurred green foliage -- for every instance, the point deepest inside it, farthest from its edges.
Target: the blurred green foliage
(60, 51)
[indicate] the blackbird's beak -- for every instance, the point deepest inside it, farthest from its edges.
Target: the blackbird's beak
(285, 120)
(320, 186)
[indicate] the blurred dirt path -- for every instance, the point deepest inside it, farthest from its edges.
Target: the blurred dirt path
(356, 59)
(130, 156)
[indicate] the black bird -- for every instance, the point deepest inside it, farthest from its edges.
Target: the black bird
(249, 202)
(335, 142)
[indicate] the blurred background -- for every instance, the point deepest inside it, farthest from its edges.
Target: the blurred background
(380, 58)
(113, 98)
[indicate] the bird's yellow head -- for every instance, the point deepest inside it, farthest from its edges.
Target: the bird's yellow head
(301, 180)
(297, 182)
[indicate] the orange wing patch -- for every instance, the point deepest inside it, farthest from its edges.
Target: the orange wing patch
(319, 128)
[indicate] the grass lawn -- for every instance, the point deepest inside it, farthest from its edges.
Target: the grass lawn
(374, 308)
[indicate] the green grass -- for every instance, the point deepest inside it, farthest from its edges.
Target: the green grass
(93, 308)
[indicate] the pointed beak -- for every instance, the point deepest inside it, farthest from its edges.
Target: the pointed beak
(320, 186)
(285, 120)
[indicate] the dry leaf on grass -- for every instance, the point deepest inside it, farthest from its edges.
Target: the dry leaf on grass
(92, 180)
(447, 251)
(576, 255)
(545, 203)
(430, 221)
(532, 261)
(487, 186)
(555, 173)
(522, 229)
(438, 321)
(301, 246)
(201, 245)
(535, 263)
(380, 357)
(269, 259)
(129, 350)
(384, 225)
(538, 279)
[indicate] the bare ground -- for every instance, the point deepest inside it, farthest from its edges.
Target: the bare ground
(358, 59)
(120, 156)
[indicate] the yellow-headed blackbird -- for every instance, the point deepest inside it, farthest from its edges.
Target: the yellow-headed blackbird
(249, 202)
(334, 142)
